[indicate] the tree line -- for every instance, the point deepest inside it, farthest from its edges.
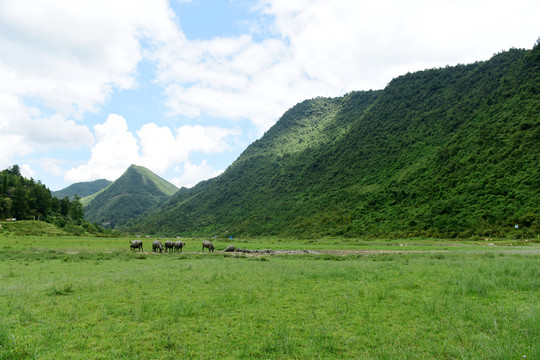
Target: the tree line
(27, 199)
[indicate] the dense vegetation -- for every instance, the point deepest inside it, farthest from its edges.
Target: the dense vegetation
(82, 189)
(134, 193)
(26, 199)
(450, 152)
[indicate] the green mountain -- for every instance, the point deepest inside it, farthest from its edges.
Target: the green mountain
(135, 192)
(82, 189)
(443, 152)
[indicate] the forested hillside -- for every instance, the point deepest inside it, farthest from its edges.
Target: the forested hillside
(82, 189)
(135, 192)
(26, 199)
(442, 152)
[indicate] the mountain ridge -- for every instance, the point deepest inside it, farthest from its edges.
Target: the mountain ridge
(82, 189)
(441, 152)
(132, 194)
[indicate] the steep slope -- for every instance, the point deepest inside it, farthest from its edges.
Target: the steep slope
(135, 192)
(82, 189)
(442, 152)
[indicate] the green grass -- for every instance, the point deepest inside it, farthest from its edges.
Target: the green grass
(24, 228)
(80, 298)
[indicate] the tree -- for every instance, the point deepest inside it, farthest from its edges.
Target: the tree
(27, 199)
(64, 206)
(43, 199)
(4, 184)
(15, 170)
(39, 200)
(20, 205)
(76, 209)
(7, 205)
(55, 205)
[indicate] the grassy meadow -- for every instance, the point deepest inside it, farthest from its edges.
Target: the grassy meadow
(92, 298)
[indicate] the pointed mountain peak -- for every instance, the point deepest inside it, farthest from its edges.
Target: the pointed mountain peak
(133, 193)
(148, 179)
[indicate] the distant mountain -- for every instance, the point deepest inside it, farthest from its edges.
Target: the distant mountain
(135, 192)
(82, 189)
(449, 152)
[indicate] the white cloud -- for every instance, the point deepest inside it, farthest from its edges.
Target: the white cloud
(14, 146)
(161, 149)
(33, 131)
(73, 54)
(58, 132)
(234, 79)
(350, 44)
(115, 150)
(69, 57)
(206, 139)
(157, 148)
(327, 48)
(193, 174)
(27, 171)
(51, 166)
(61, 59)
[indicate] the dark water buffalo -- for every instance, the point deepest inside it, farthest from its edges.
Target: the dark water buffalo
(208, 245)
(169, 246)
(230, 248)
(136, 244)
(178, 245)
(157, 245)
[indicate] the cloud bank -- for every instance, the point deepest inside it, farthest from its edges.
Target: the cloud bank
(154, 147)
(327, 48)
(61, 60)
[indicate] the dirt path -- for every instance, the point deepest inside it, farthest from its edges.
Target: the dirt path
(256, 253)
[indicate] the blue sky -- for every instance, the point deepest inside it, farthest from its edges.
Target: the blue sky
(183, 87)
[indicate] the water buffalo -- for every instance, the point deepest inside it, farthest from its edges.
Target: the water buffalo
(136, 244)
(208, 245)
(169, 246)
(230, 248)
(157, 245)
(178, 245)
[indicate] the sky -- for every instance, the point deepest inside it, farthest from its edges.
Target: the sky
(181, 87)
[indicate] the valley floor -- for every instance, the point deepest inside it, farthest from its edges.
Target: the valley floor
(80, 298)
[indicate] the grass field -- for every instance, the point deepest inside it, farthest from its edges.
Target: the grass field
(91, 298)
